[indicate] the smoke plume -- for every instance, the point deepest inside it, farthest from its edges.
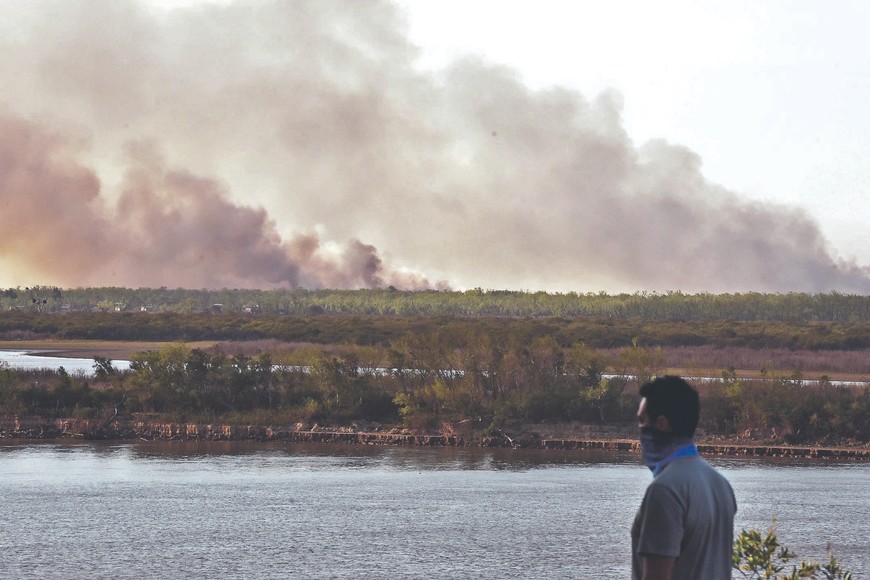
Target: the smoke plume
(276, 143)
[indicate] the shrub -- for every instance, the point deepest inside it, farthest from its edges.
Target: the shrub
(762, 556)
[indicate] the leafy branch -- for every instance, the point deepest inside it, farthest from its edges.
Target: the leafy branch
(758, 555)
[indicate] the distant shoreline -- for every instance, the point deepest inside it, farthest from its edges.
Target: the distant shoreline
(759, 443)
(70, 429)
(124, 350)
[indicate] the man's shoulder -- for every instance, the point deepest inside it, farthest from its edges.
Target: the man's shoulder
(693, 477)
(689, 468)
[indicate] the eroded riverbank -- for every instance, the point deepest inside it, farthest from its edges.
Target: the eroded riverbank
(159, 431)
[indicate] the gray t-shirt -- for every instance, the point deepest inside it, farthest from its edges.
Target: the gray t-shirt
(687, 512)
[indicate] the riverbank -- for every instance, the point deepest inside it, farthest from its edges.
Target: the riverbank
(154, 431)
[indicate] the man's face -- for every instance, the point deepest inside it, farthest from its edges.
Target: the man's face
(659, 423)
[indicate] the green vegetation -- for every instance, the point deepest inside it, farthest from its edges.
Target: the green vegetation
(488, 359)
(751, 306)
(758, 555)
(426, 381)
(362, 329)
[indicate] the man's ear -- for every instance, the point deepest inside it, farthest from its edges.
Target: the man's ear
(662, 424)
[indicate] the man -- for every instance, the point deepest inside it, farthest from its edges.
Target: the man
(685, 526)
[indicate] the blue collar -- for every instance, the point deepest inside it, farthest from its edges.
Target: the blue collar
(685, 451)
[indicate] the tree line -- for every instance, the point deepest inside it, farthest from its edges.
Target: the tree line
(477, 302)
(364, 329)
(425, 382)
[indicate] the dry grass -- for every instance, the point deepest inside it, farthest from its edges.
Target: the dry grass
(272, 346)
(748, 362)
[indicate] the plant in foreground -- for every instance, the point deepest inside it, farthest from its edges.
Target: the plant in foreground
(761, 556)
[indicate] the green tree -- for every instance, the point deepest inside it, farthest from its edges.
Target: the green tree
(159, 378)
(103, 369)
(641, 363)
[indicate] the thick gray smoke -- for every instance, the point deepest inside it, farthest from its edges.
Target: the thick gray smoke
(167, 227)
(295, 143)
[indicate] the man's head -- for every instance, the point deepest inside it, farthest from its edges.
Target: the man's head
(669, 404)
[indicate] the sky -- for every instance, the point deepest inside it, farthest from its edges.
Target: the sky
(560, 146)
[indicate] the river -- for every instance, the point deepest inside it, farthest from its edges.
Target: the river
(38, 360)
(205, 510)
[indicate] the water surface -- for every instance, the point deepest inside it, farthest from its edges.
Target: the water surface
(45, 360)
(161, 509)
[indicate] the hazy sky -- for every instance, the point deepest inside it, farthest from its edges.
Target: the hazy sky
(772, 95)
(695, 146)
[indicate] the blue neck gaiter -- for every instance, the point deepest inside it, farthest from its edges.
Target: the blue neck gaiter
(659, 448)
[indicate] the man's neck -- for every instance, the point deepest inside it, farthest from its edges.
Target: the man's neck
(687, 450)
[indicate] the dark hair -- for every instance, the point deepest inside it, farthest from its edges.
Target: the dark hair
(676, 399)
